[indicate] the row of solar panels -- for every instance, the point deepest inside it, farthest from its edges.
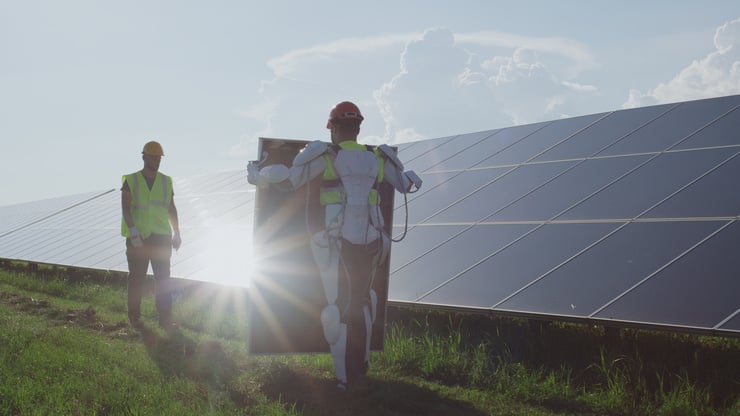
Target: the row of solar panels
(626, 218)
(84, 230)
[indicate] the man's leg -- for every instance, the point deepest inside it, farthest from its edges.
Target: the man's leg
(138, 263)
(326, 252)
(359, 260)
(161, 253)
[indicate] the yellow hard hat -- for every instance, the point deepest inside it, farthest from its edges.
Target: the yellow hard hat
(153, 148)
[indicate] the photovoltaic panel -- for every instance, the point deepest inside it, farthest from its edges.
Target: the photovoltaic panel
(599, 136)
(291, 286)
(559, 194)
(619, 261)
(448, 150)
(622, 218)
(714, 134)
(424, 150)
(500, 192)
(495, 142)
(456, 187)
(709, 195)
(501, 274)
(673, 126)
(618, 203)
(419, 240)
(22, 215)
(449, 257)
(699, 288)
(651, 183)
(540, 141)
(215, 212)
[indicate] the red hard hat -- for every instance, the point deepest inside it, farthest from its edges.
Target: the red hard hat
(343, 111)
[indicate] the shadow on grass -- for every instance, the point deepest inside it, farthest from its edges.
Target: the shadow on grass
(312, 395)
(179, 355)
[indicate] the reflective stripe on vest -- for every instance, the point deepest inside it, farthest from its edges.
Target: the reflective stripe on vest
(149, 208)
(332, 191)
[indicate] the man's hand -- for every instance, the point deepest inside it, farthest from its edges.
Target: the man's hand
(253, 169)
(253, 172)
(135, 237)
(414, 179)
(176, 241)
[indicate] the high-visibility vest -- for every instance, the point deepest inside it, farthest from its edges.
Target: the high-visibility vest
(150, 208)
(332, 191)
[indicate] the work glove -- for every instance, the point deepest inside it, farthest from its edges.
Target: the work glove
(176, 241)
(413, 180)
(253, 172)
(135, 237)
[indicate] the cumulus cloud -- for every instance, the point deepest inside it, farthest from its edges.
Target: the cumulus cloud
(572, 57)
(293, 63)
(307, 82)
(456, 83)
(717, 74)
(424, 85)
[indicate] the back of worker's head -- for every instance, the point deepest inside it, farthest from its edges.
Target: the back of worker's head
(344, 121)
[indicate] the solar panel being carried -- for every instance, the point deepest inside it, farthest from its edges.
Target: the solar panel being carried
(624, 218)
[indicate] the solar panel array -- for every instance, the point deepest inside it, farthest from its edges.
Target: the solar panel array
(83, 231)
(626, 218)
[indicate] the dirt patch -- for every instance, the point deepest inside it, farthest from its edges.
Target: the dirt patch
(85, 318)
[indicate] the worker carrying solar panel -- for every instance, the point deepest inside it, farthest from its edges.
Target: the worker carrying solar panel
(353, 241)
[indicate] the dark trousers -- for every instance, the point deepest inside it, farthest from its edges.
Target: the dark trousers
(157, 250)
(356, 273)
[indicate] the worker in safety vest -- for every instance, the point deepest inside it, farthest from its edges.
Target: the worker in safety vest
(353, 242)
(149, 219)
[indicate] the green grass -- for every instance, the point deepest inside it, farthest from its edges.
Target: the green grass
(65, 349)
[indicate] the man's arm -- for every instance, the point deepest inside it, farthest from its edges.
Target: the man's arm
(307, 165)
(403, 181)
(126, 206)
(175, 223)
(174, 220)
(126, 198)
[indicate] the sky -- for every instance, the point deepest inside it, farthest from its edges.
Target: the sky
(85, 83)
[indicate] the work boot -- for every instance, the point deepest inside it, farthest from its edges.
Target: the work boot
(342, 386)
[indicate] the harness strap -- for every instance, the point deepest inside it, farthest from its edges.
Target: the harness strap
(332, 189)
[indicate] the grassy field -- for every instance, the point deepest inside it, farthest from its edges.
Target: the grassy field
(66, 349)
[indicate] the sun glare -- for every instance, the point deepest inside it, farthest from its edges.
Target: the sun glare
(228, 257)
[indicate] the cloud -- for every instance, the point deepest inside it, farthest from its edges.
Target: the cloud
(308, 82)
(412, 86)
(574, 55)
(717, 74)
(456, 83)
(293, 63)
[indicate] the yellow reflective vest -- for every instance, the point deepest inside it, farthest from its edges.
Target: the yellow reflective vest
(150, 208)
(331, 189)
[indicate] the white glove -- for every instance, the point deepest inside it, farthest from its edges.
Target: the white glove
(135, 237)
(414, 180)
(253, 172)
(176, 241)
